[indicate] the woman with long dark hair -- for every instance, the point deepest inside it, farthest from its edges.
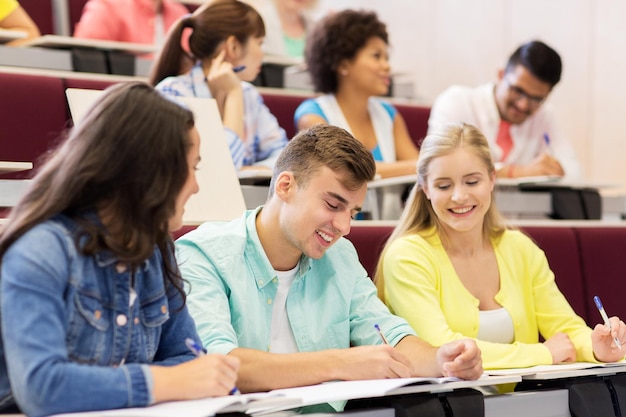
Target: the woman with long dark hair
(92, 305)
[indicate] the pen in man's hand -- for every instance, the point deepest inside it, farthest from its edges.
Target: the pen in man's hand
(546, 140)
(380, 333)
(605, 317)
(197, 350)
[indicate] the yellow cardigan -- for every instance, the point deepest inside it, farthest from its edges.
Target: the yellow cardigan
(422, 286)
(6, 7)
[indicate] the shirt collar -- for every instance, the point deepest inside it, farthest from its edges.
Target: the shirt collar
(261, 267)
(200, 86)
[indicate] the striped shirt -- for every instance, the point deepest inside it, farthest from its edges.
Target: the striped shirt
(263, 138)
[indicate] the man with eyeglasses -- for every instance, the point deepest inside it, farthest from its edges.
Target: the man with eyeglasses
(520, 128)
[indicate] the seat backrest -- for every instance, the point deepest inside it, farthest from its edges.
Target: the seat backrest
(34, 117)
(603, 257)
(42, 14)
(560, 245)
(75, 8)
(369, 242)
(283, 106)
(416, 119)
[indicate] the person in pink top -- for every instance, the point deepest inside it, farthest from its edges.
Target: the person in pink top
(136, 21)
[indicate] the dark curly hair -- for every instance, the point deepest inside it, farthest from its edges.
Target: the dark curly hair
(338, 37)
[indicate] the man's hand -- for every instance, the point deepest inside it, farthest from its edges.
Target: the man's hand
(543, 164)
(373, 362)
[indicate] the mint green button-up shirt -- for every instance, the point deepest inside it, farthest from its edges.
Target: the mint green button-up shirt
(331, 304)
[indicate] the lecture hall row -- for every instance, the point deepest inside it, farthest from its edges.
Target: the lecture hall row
(43, 96)
(586, 256)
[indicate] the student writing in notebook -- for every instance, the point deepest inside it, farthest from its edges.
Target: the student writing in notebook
(225, 44)
(347, 57)
(283, 291)
(92, 306)
(520, 126)
(454, 270)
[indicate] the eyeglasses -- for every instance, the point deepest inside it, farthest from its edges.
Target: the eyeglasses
(517, 93)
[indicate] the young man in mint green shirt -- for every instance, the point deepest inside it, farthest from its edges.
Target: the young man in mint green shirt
(281, 289)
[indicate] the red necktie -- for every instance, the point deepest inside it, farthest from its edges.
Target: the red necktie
(504, 140)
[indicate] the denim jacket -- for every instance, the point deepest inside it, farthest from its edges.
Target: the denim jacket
(74, 336)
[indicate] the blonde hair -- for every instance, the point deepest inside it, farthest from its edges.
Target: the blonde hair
(418, 214)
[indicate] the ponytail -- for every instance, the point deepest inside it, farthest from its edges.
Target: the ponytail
(173, 58)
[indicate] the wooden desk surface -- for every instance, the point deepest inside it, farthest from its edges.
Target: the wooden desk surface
(9, 166)
(66, 42)
(7, 35)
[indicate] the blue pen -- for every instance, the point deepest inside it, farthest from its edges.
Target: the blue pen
(546, 140)
(605, 317)
(197, 350)
(236, 69)
(380, 333)
(194, 347)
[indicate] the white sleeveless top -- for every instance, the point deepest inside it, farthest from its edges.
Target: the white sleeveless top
(496, 326)
(383, 124)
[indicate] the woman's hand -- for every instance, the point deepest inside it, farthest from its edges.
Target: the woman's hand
(603, 343)
(226, 89)
(561, 348)
(221, 78)
(206, 376)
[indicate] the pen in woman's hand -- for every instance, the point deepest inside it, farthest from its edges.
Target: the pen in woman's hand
(194, 347)
(197, 350)
(605, 317)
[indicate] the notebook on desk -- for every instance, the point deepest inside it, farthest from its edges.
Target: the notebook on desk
(259, 404)
(220, 197)
(255, 403)
(563, 370)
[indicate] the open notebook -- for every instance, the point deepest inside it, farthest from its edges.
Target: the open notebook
(562, 370)
(255, 403)
(220, 197)
(258, 404)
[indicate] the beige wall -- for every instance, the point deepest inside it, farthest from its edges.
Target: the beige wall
(443, 42)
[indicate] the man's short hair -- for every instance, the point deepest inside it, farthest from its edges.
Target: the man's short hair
(542, 61)
(330, 146)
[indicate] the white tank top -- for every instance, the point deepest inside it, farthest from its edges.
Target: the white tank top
(496, 326)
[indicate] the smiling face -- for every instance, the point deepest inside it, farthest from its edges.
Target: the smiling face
(369, 70)
(191, 184)
(519, 94)
(314, 216)
(459, 188)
